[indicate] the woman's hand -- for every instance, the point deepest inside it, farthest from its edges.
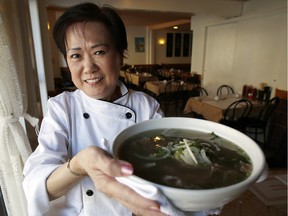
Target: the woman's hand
(102, 168)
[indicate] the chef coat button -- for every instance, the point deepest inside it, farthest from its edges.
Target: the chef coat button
(86, 115)
(128, 115)
(89, 192)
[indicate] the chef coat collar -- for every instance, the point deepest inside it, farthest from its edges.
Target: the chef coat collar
(123, 89)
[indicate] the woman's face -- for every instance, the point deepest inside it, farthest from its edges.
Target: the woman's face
(92, 59)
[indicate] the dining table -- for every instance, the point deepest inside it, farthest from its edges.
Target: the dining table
(137, 79)
(140, 78)
(122, 74)
(213, 107)
(159, 87)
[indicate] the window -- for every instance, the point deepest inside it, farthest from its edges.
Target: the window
(178, 44)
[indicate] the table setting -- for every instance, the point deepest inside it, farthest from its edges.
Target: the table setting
(213, 107)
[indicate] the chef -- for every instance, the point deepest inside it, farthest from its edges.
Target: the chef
(72, 172)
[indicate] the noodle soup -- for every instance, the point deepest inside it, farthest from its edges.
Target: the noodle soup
(185, 159)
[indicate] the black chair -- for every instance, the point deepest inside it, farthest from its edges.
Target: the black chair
(225, 89)
(200, 91)
(259, 125)
(169, 98)
(184, 93)
(236, 113)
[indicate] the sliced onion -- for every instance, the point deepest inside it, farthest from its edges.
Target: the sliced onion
(209, 142)
(204, 156)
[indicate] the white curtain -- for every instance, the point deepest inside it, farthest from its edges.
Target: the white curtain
(14, 143)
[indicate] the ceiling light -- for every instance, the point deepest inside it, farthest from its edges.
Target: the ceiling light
(175, 27)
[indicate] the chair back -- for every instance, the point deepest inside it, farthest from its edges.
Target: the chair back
(268, 109)
(185, 92)
(225, 89)
(200, 91)
(169, 96)
(238, 110)
(171, 89)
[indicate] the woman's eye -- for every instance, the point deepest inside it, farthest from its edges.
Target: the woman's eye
(99, 52)
(74, 56)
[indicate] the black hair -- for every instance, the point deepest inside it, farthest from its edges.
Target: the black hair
(89, 12)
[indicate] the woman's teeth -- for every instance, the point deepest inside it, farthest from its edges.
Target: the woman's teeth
(93, 80)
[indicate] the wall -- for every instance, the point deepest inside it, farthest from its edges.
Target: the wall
(160, 50)
(57, 62)
(154, 53)
(250, 49)
(134, 57)
(219, 56)
(45, 42)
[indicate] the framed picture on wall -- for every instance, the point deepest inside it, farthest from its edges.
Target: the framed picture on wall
(139, 44)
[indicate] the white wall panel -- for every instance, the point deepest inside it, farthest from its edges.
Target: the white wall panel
(219, 56)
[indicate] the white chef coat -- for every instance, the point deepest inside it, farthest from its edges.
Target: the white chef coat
(73, 122)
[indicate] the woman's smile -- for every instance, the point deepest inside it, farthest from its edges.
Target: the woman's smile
(93, 81)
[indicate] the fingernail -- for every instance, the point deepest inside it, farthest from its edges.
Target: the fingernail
(154, 208)
(126, 170)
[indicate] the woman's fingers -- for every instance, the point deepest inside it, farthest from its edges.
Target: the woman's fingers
(94, 158)
(125, 195)
(103, 168)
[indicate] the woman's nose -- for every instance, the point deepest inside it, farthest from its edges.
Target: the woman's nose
(90, 66)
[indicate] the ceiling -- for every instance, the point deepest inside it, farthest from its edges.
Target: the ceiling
(173, 12)
(156, 19)
(164, 19)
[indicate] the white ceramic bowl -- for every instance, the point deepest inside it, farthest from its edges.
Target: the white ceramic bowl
(198, 200)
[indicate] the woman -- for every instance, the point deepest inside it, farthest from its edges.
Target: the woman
(72, 172)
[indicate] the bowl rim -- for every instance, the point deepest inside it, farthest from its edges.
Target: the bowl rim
(205, 126)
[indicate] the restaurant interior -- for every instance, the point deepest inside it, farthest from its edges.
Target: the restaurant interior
(220, 60)
(241, 45)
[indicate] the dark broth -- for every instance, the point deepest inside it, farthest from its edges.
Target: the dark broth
(151, 155)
